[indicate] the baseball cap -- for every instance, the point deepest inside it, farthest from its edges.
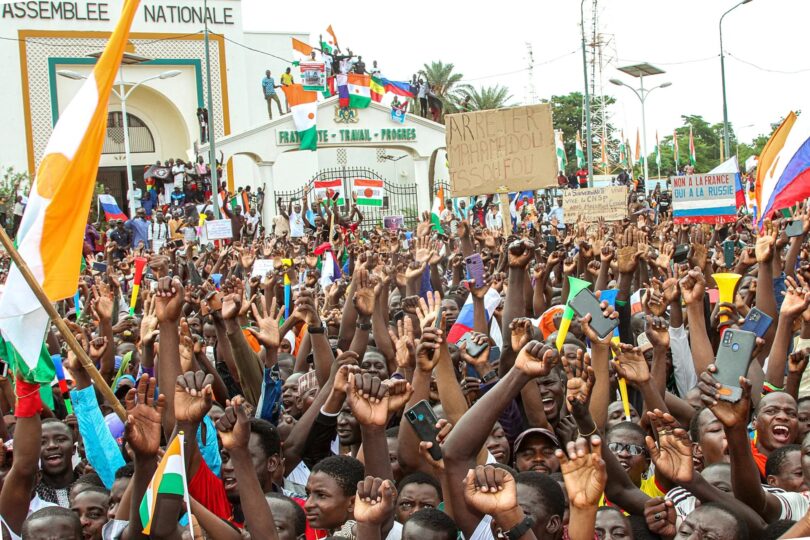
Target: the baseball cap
(536, 431)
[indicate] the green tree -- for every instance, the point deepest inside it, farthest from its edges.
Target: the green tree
(567, 113)
(484, 97)
(444, 82)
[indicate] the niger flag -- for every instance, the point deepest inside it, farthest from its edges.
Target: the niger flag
(51, 233)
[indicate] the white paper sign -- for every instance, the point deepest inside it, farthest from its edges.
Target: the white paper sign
(218, 229)
(261, 267)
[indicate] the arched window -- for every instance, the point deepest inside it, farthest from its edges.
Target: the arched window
(140, 138)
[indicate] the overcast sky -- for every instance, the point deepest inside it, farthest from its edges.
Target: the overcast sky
(489, 46)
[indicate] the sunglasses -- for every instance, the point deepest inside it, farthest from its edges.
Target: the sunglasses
(632, 449)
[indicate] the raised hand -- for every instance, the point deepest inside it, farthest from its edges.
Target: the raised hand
(764, 248)
(659, 513)
(404, 343)
(366, 395)
(364, 297)
(144, 412)
(427, 312)
(657, 331)
(797, 299)
(102, 301)
(186, 346)
(193, 396)
(169, 299)
(374, 502)
(693, 286)
(444, 427)
(580, 382)
(269, 324)
(628, 254)
(482, 360)
(490, 490)
(97, 348)
(730, 414)
(428, 352)
(535, 359)
(797, 361)
(583, 472)
(149, 322)
(399, 392)
(672, 455)
(232, 301)
(520, 253)
(630, 363)
(306, 308)
(234, 426)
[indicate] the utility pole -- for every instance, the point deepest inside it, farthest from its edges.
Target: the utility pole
(212, 151)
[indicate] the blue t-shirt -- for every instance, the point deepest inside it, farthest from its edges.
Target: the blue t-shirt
(269, 86)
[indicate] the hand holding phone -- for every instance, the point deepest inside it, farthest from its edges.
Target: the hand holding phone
(584, 303)
(423, 421)
(733, 359)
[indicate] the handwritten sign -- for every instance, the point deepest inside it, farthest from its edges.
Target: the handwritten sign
(512, 148)
(704, 198)
(261, 267)
(218, 229)
(609, 203)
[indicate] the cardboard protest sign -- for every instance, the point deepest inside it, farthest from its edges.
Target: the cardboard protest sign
(704, 198)
(218, 229)
(512, 148)
(608, 203)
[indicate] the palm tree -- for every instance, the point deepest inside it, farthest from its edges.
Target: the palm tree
(486, 97)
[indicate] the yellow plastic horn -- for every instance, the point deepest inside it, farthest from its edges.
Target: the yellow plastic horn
(726, 284)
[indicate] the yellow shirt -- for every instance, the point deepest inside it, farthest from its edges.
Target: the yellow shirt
(648, 486)
(286, 78)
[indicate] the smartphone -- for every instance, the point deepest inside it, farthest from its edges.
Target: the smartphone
(681, 253)
(178, 243)
(728, 253)
(586, 302)
(439, 314)
(475, 269)
(3, 368)
(473, 348)
(794, 228)
(423, 421)
(757, 322)
(733, 358)
(99, 266)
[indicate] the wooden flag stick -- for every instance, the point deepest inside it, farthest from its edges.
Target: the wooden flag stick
(74, 345)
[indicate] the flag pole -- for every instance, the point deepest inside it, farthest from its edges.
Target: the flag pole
(74, 345)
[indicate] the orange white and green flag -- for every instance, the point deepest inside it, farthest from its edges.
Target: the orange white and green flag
(368, 191)
(51, 232)
(169, 481)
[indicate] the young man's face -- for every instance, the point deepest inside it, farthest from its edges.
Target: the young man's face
(57, 449)
(413, 498)
(790, 476)
(91, 507)
(327, 506)
(777, 421)
(630, 452)
(55, 528)
(713, 443)
(536, 453)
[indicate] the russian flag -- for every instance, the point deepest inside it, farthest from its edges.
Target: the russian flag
(466, 317)
(110, 208)
(342, 82)
(731, 166)
(400, 88)
(783, 168)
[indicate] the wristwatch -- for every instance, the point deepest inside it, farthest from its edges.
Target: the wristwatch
(520, 529)
(316, 329)
(364, 326)
(489, 376)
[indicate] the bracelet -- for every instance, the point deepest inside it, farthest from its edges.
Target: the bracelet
(589, 434)
(489, 376)
(364, 326)
(520, 529)
(316, 329)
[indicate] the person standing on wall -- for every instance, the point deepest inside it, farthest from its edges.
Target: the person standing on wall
(269, 87)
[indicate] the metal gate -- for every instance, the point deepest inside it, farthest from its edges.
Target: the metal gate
(398, 199)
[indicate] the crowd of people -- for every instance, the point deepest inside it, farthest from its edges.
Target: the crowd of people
(334, 379)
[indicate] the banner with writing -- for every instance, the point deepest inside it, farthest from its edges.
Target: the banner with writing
(704, 198)
(608, 203)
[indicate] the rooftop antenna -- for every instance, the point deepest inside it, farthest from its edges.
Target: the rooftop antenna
(531, 96)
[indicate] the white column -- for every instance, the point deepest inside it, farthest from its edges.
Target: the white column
(267, 183)
(420, 176)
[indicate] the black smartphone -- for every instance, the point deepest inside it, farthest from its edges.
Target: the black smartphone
(551, 243)
(473, 348)
(794, 228)
(757, 322)
(99, 266)
(586, 302)
(423, 421)
(681, 253)
(733, 358)
(728, 253)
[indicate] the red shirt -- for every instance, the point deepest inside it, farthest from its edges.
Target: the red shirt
(208, 490)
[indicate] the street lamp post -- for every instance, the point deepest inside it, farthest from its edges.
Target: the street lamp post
(726, 138)
(640, 70)
(123, 94)
(588, 138)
